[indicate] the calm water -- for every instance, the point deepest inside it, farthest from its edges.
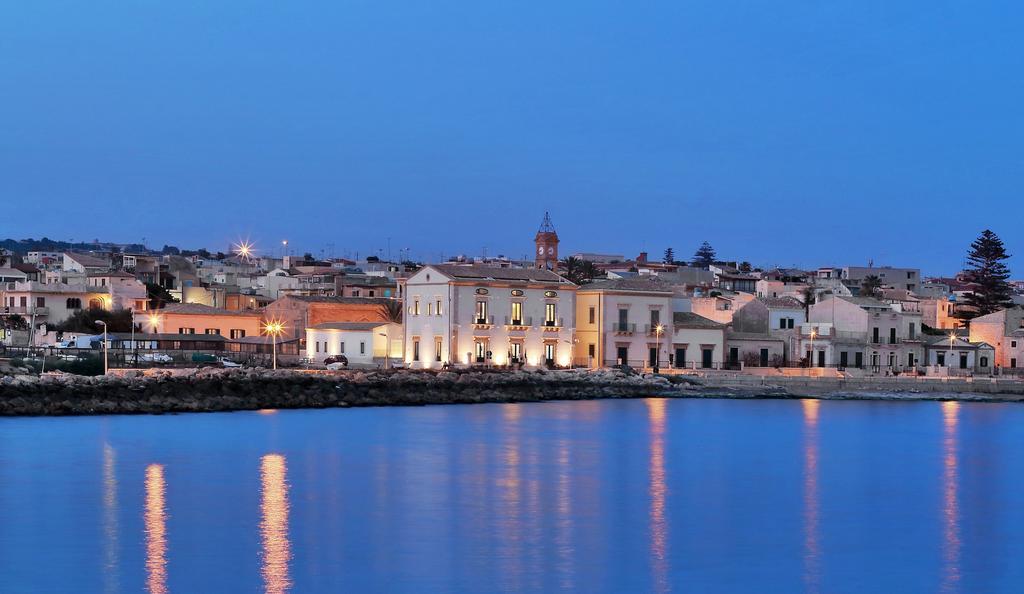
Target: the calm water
(614, 496)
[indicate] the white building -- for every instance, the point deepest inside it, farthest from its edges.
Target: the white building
(51, 303)
(476, 315)
(956, 356)
(126, 292)
(362, 343)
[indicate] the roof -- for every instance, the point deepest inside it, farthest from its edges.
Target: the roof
(350, 326)
(335, 299)
(114, 274)
(944, 341)
(686, 319)
(26, 268)
(200, 309)
(645, 284)
(539, 275)
(781, 302)
(865, 302)
(753, 336)
(87, 260)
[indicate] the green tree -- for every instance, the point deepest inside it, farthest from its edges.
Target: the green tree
(989, 274)
(84, 321)
(746, 267)
(704, 256)
(579, 271)
(391, 311)
(15, 322)
(158, 296)
(870, 285)
(670, 256)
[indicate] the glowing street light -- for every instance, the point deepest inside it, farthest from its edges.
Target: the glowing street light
(810, 356)
(274, 328)
(658, 330)
(244, 250)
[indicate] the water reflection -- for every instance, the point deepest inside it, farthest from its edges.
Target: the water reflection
(274, 525)
(111, 576)
(156, 530)
(563, 539)
(656, 470)
(812, 546)
(950, 501)
(510, 514)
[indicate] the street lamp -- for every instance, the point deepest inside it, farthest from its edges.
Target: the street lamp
(154, 321)
(810, 355)
(657, 346)
(387, 345)
(105, 363)
(274, 329)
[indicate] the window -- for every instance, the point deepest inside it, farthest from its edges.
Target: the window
(318, 346)
(874, 335)
(549, 353)
(40, 301)
(211, 331)
(362, 348)
(517, 313)
(74, 303)
(940, 359)
(416, 307)
(437, 307)
(480, 350)
(549, 314)
(186, 330)
(591, 350)
(623, 319)
(237, 333)
(481, 311)
(892, 336)
(430, 309)
(371, 293)
(984, 361)
(437, 349)
(789, 323)
(782, 323)
(1013, 344)
(341, 347)
(655, 317)
(24, 301)
(516, 352)
(355, 293)
(912, 331)
(592, 314)
(415, 349)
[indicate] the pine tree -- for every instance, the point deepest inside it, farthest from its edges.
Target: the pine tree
(670, 256)
(989, 274)
(704, 256)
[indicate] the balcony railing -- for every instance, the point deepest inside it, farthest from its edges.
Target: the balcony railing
(27, 311)
(483, 321)
(518, 323)
(623, 328)
(553, 325)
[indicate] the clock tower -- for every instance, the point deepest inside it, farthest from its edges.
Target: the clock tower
(547, 245)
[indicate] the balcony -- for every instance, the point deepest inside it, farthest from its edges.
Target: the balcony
(553, 325)
(483, 322)
(518, 324)
(623, 328)
(27, 311)
(651, 329)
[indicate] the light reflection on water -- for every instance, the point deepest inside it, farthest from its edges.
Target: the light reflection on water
(615, 496)
(950, 501)
(156, 530)
(812, 510)
(274, 525)
(658, 525)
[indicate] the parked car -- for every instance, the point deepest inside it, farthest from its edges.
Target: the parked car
(155, 358)
(340, 360)
(228, 362)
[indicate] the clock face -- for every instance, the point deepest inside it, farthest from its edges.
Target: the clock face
(540, 250)
(551, 250)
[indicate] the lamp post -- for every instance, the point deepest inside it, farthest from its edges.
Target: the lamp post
(657, 346)
(105, 362)
(810, 355)
(387, 346)
(274, 328)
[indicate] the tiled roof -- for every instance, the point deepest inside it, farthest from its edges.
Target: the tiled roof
(865, 302)
(686, 319)
(334, 299)
(645, 284)
(539, 275)
(353, 326)
(781, 302)
(200, 309)
(88, 261)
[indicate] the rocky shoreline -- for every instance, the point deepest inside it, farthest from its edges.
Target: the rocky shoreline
(218, 390)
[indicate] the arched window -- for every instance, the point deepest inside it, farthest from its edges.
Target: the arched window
(984, 361)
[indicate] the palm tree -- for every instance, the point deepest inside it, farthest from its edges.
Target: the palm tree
(391, 311)
(870, 285)
(572, 269)
(809, 298)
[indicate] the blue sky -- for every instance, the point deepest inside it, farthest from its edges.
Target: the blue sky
(783, 132)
